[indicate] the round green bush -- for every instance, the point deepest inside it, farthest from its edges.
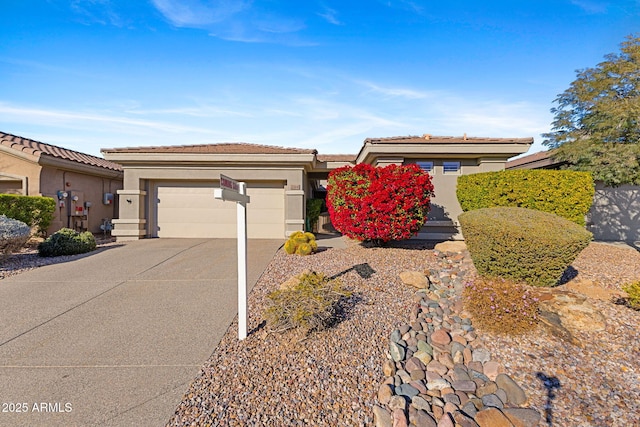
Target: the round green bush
(67, 242)
(522, 244)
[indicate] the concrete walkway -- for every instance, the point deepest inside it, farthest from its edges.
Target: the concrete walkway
(115, 337)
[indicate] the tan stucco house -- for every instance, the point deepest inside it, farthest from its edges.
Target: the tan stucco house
(83, 186)
(168, 190)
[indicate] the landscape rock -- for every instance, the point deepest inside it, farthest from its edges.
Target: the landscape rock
(492, 417)
(381, 417)
(414, 278)
(453, 246)
(574, 311)
(399, 418)
(421, 418)
(522, 417)
(514, 392)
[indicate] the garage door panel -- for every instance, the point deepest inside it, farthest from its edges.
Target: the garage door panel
(188, 209)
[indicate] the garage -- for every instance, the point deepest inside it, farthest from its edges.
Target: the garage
(188, 209)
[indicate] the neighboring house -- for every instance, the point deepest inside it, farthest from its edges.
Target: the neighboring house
(82, 185)
(168, 190)
(615, 213)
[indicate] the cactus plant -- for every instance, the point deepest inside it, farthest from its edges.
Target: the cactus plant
(301, 243)
(290, 247)
(303, 249)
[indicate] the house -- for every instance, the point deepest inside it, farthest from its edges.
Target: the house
(168, 190)
(615, 212)
(82, 185)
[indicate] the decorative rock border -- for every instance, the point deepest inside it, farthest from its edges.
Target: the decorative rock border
(437, 374)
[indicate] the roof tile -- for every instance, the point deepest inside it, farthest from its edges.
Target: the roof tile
(430, 139)
(37, 148)
(222, 148)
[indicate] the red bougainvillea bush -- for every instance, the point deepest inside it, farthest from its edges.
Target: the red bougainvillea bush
(379, 204)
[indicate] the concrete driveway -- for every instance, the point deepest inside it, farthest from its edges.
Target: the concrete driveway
(114, 338)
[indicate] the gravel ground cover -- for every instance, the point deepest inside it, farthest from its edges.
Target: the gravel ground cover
(331, 378)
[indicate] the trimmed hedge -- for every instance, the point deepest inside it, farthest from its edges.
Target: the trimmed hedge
(522, 244)
(565, 193)
(35, 211)
(67, 242)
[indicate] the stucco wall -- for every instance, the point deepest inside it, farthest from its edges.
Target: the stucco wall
(88, 188)
(24, 168)
(615, 213)
(136, 215)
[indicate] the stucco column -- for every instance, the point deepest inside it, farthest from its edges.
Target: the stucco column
(131, 224)
(295, 205)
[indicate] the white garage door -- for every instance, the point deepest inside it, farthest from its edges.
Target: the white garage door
(188, 209)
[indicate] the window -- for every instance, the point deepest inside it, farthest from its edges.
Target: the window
(426, 166)
(451, 168)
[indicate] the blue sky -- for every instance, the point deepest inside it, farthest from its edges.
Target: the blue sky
(91, 74)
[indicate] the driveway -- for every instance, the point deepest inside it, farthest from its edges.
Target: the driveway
(114, 338)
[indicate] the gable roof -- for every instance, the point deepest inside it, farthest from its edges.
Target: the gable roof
(222, 148)
(39, 149)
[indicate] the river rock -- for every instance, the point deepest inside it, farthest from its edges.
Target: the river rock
(492, 417)
(381, 417)
(515, 394)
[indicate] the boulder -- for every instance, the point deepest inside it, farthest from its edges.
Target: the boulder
(565, 313)
(456, 246)
(416, 279)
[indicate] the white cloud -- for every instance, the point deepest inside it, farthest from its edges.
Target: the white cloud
(197, 13)
(591, 6)
(396, 91)
(330, 15)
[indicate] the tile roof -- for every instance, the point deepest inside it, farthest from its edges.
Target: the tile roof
(222, 148)
(535, 157)
(37, 148)
(430, 139)
(336, 158)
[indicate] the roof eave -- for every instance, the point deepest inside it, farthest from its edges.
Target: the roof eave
(504, 150)
(71, 165)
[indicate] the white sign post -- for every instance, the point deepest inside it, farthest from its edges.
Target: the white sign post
(232, 190)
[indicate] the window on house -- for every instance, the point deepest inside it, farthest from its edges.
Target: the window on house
(451, 168)
(426, 166)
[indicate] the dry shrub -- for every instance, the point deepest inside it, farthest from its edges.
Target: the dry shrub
(311, 304)
(501, 305)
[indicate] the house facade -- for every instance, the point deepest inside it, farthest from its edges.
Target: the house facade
(83, 186)
(615, 212)
(168, 190)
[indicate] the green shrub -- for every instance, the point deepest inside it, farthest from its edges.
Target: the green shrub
(301, 243)
(35, 211)
(633, 292)
(67, 242)
(501, 305)
(565, 193)
(522, 244)
(314, 208)
(13, 234)
(311, 304)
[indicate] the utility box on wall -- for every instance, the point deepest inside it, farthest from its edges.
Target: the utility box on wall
(107, 199)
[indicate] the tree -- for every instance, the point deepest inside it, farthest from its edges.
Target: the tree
(596, 126)
(379, 204)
